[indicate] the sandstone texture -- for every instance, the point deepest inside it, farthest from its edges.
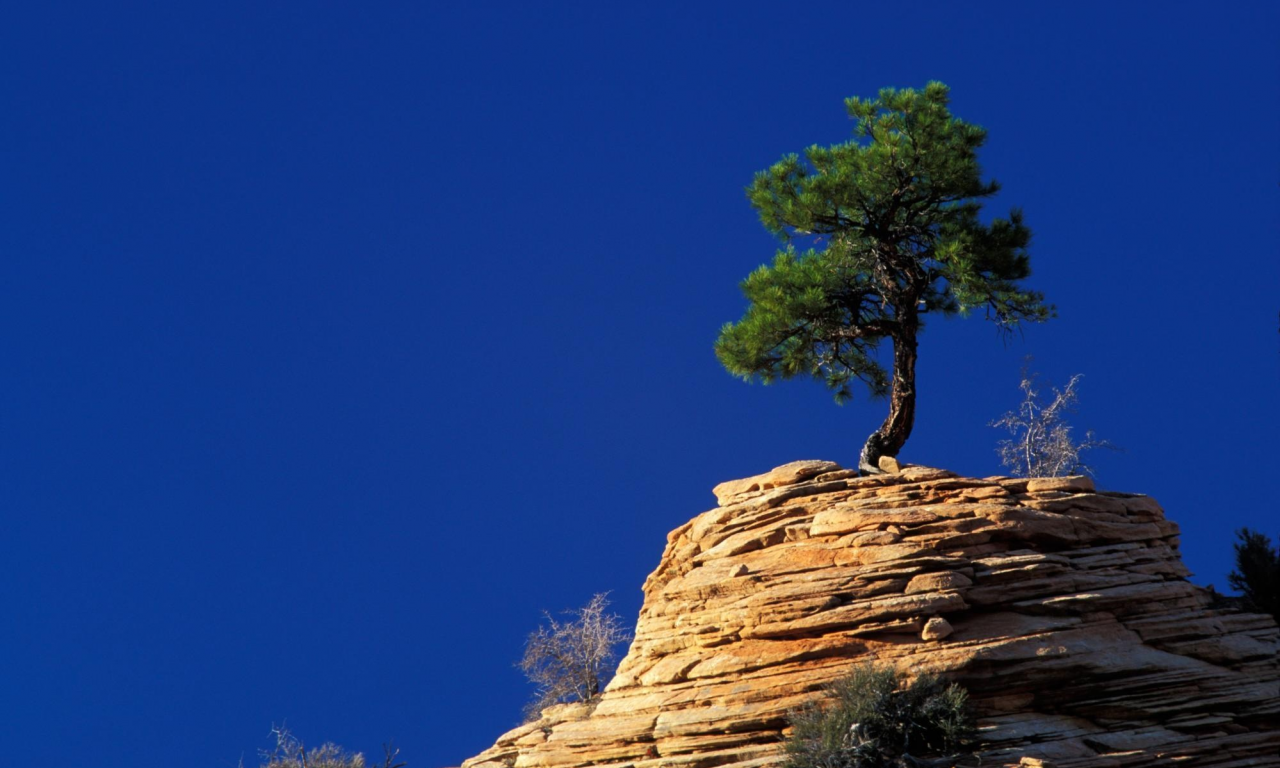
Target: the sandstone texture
(1065, 611)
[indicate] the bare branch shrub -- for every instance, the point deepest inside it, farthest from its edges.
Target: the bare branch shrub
(570, 660)
(290, 752)
(1042, 445)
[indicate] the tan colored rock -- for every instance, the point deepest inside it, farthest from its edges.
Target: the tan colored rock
(889, 464)
(1070, 484)
(1065, 612)
(937, 582)
(787, 474)
(936, 628)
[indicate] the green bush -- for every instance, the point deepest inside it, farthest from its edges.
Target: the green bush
(874, 719)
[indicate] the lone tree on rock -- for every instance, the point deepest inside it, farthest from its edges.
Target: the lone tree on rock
(890, 225)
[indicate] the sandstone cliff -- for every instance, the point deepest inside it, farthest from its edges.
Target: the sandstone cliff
(1065, 611)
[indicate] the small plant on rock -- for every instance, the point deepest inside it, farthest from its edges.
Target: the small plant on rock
(1041, 444)
(873, 718)
(290, 752)
(571, 660)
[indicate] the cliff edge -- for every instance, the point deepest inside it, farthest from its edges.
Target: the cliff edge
(1065, 611)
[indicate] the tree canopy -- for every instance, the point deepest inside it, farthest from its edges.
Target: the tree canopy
(890, 230)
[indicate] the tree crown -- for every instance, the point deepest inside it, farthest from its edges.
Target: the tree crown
(890, 221)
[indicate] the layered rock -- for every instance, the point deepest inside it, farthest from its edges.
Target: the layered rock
(1066, 612)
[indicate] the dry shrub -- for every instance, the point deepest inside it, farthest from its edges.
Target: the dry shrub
(290, 752)
(1042, 445)
(570, 661)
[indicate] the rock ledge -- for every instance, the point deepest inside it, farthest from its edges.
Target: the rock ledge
(1065, 611)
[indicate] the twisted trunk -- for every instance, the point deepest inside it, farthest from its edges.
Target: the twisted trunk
(895, 430)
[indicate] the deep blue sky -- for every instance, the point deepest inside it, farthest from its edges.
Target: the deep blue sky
(337, 342)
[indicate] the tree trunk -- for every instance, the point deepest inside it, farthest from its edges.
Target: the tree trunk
(895, 430)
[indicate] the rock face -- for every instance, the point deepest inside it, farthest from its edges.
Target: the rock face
(1066, 613)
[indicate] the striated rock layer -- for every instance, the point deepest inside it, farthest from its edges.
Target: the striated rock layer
(1065, 611)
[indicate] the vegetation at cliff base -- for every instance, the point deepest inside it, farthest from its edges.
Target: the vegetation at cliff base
(873, 718)
(880, 231)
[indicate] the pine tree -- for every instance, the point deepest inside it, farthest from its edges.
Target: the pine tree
(1257, 573)
(890, 229)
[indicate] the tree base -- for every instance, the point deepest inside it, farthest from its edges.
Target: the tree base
(869, 460)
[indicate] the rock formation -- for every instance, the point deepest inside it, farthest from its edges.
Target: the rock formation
(1066, 612)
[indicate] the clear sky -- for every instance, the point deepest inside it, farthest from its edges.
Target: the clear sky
(337, 341)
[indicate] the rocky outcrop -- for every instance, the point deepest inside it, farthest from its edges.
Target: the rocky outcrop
(1065, 611)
